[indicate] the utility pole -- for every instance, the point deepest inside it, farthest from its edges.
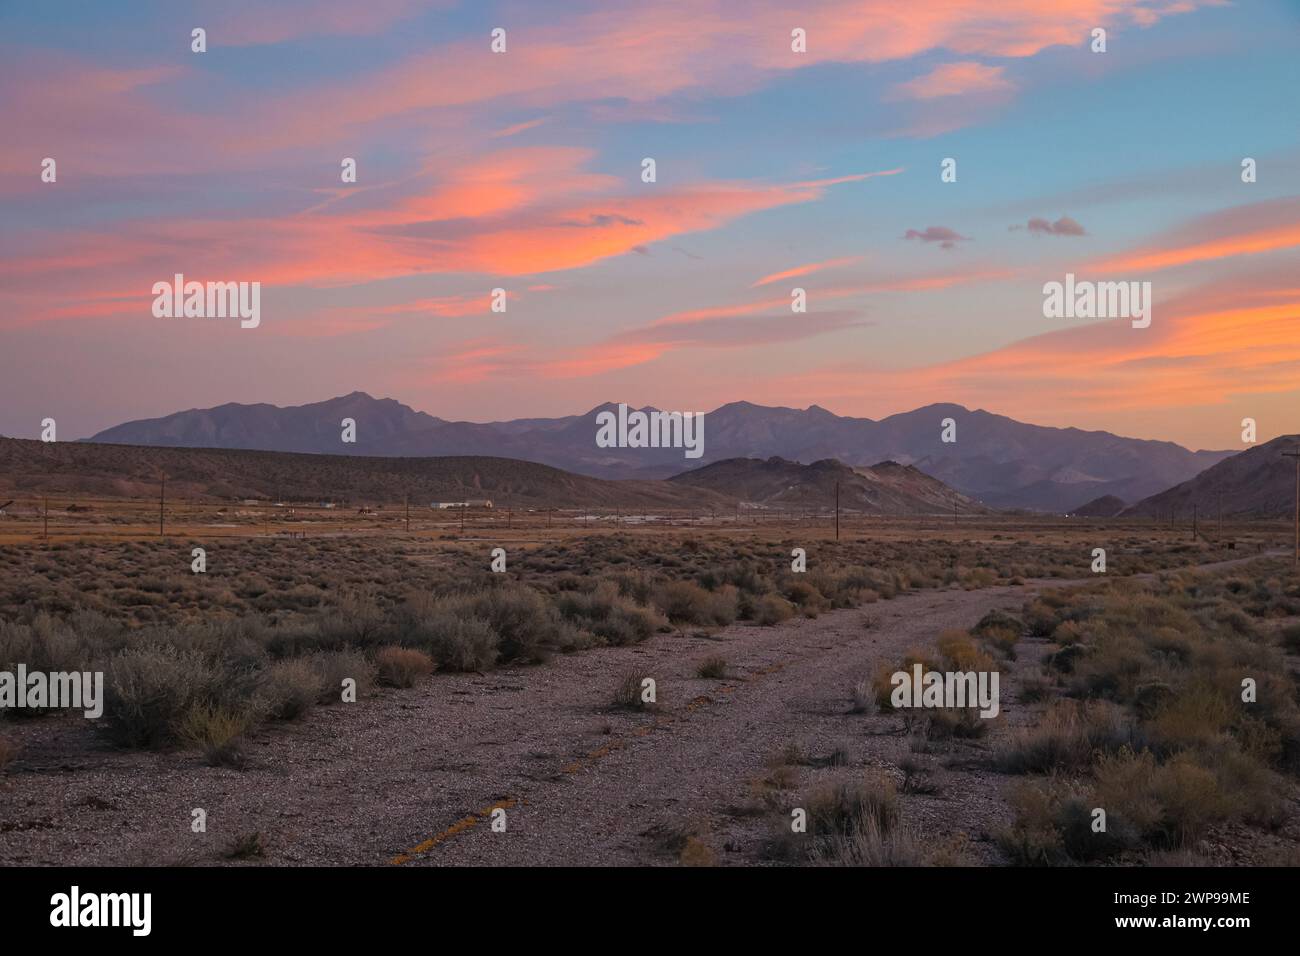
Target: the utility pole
(1296, 456)
(408, 514)
(837, 511)
(162, 499)
(1193, 522)
(463, 509)
(45, 512)
(1220, 493)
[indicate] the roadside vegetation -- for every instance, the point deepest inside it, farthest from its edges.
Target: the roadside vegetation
(275, 628)
(1171, 706)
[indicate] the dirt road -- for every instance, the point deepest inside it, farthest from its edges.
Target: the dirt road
(411, 777)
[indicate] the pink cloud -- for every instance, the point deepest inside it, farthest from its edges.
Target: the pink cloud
(954, 79)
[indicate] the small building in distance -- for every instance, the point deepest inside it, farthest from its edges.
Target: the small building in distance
(468, 503)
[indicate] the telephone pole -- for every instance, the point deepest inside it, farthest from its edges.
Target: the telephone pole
(45, 512)
(408, 514)
(1296, 456)
(162, 499)
(837, 511)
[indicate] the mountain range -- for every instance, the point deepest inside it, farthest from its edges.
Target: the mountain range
(996, 460)
(1260, 482)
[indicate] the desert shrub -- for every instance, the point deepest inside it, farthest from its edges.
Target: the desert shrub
(1112, 666)
(402, 666)
(712, 668)
(1036, 687)
(449, 631)
(802, 594)
(998, 620)
(960, 722)
(839, 808)
(863, 695)
(627, 696)
(334, 667)
(1040, 618)
(1068, 632)
(150, 689)
(355, 620)
(288, 689)
(772, 609)
(1195, 715)
(528, 626)
(686, 603)
(973, 579)
(882, 681)
(246, 846)
(1169, 804)
(870, 844)
(609, 615)
(639, 586)
(960, 653)
(217, 732)
(1068, 737)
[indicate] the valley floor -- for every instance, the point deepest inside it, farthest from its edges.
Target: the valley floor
(411, 777)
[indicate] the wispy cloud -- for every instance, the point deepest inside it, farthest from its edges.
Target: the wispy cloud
(954, 79)
(806, 270)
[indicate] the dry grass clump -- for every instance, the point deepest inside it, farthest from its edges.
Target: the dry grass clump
(1069, 737)
(629, 695)
(401, 666)
(863, 696)
(216, 731)
(712, 668)
(850, 823)
(772, 609)
(246, 846)
(838, 808)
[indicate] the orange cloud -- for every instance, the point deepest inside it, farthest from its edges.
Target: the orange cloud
(1230, 339)
(805, 270)
(517, 212)
(954, 79)
(1243, 230)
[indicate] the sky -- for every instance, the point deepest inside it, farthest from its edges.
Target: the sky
(776, 168)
